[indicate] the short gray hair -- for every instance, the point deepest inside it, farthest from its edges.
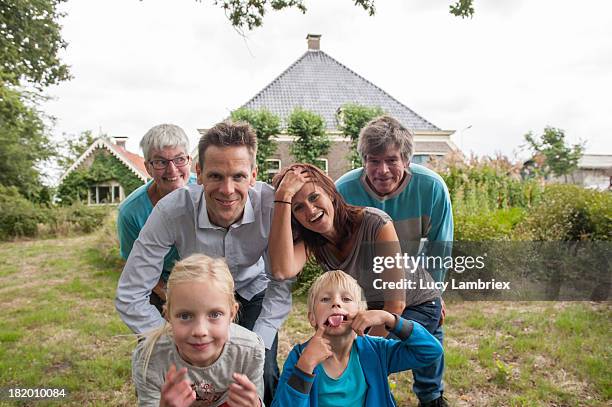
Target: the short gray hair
(162, 136)
(382, 133)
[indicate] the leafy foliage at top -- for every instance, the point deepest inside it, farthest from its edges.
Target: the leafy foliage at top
(24, 143)
(266, 125)
(463, 8)
(311, 141)
(250, 13)
(352, 118)
(30, 40)
(559, 158)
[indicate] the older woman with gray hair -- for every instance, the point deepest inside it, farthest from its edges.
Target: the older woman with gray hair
(166, 152)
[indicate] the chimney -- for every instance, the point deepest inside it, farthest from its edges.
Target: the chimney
(314, 42)
(120, 141)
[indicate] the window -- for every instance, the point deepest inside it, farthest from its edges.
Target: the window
(274, 166)
(105, 194)
(420, 158)
(322, 163)
(116, 194)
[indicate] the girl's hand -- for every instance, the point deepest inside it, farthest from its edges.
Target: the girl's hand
(292, 182)
(242, 393)
(317, 350)
(365, 319)
(176, 391)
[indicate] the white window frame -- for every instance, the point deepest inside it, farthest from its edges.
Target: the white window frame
(326, 161)
(274, 170)
(93, 201)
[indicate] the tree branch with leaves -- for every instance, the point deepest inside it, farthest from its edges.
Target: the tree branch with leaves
(559, 158)
(249, 14)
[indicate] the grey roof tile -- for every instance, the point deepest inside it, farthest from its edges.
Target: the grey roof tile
(319, 83)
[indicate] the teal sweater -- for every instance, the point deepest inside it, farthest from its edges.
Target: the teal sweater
(420, 209)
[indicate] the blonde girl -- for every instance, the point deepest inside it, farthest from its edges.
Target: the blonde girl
(199, 357)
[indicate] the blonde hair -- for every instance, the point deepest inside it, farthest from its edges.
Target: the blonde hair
(337, 279)
(196, 268)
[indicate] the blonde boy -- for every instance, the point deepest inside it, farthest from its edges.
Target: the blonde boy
(340, 365)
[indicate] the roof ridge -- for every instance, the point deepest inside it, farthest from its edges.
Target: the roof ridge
(377, 87)
(277, 78)
(279, 95)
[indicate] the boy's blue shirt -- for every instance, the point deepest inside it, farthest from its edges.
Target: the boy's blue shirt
(379, 357)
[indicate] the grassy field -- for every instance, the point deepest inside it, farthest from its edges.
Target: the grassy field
(58, 328)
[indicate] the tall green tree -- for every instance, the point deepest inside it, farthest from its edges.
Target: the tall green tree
(352, 118)
(249, 14)
(266, 125)
(311, 142)
(24, 143)
(30, 41)
(560, 159)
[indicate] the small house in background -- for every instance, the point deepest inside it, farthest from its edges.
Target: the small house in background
(104, 174)
(594, 171)
(319, 83)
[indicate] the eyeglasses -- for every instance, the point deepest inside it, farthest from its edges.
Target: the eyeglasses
(161, 163)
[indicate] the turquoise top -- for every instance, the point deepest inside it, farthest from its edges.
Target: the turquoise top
(133, 214)
(349, 389)
(420, 208)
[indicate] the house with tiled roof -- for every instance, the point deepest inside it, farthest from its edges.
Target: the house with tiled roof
(104, 174)
(319, 83)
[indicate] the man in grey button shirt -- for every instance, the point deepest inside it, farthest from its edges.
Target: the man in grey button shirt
(228, 215)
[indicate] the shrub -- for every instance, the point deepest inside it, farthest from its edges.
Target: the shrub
(490, 225)
(486, 184)
(568, 213)
(18, 216)
(108, 241)
(86, 219)
(77, 218)
(266, 126)
(311, 141)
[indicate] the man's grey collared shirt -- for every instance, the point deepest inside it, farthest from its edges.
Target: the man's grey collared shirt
(181, 219)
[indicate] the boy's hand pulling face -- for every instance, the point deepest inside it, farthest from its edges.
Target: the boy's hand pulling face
(317, 350)
(365, 319)
(176, 391)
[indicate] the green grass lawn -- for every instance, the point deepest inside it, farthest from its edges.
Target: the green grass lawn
(58, 328)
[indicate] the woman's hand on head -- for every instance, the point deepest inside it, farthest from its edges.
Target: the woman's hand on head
(176, 391)
(242, 393)
(292, 182)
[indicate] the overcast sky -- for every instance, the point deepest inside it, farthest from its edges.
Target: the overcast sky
(517, 66)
